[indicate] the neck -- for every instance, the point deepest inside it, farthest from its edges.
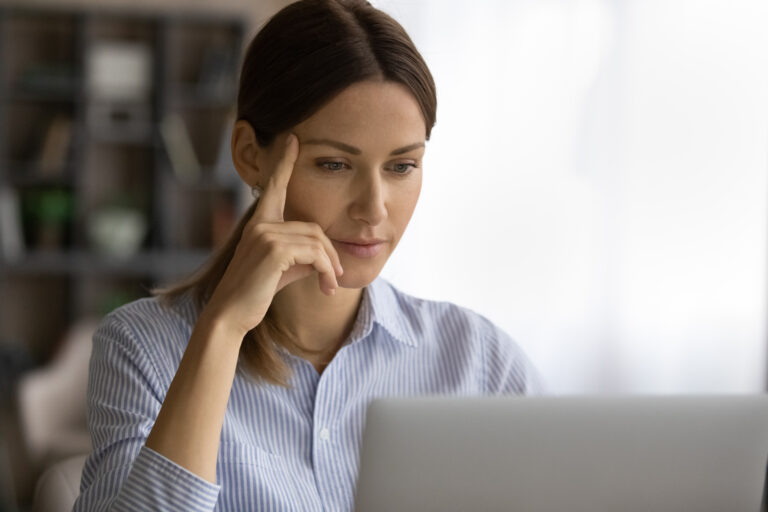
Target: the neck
(320, 323)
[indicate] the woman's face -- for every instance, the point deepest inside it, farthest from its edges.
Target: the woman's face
(358, 172)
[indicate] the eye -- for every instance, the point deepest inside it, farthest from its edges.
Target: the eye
(336, 166)
(404, 170)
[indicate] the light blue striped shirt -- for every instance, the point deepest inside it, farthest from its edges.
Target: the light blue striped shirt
(280, 449)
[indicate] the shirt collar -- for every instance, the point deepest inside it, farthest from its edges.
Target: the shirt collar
(381, 304)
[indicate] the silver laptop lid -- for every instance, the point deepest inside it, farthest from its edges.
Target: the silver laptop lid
(575, 453)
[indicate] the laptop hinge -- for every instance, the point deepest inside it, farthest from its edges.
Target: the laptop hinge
(764, 503)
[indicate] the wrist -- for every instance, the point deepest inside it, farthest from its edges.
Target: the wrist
(215, 325)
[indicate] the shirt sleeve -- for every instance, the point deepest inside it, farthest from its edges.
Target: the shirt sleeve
(507, 368)
(123, 400)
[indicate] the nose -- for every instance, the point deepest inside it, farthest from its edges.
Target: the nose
(370, 195)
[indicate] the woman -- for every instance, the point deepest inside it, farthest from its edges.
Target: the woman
(245, 387)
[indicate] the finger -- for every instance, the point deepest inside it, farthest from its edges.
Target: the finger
(272, 202)
(291, 246)
(314, 254)
(310, 229)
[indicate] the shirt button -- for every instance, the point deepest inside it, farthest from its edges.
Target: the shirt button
(325, 434)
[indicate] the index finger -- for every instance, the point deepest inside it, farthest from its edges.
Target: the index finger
(272, 201)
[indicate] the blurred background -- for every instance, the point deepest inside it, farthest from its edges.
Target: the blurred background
(595, 185)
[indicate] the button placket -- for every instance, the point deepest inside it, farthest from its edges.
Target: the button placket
(326, 456)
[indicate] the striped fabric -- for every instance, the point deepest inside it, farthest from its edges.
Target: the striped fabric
(280, 449)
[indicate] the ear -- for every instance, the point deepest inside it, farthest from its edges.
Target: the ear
(245, 153)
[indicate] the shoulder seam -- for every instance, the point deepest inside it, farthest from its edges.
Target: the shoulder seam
(119, 316)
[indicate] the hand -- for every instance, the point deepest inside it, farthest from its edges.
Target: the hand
(271, 254)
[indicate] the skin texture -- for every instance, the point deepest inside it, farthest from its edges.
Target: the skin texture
(363, 195)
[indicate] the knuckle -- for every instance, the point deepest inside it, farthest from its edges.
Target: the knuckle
(275, 250)
(257, 230)
(317, 230)
(269, 240)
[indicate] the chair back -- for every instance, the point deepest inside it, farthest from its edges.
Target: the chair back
(59, 485)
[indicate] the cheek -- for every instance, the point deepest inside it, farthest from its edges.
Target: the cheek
(409, 194)
(405, 201)
(307, 200)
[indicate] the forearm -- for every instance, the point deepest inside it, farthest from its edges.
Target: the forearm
(188, 427)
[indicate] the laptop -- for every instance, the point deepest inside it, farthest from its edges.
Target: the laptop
(571, 453)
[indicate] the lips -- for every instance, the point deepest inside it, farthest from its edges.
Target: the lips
(362, 250)
(359, 241)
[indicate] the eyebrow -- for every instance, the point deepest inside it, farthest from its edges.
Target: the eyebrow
(356, 151)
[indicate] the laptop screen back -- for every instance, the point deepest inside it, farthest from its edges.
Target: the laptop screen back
(578, 453)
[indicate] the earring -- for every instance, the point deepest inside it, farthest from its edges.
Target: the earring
(256, 192)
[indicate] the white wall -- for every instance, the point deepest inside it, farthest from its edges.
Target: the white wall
(596, 185)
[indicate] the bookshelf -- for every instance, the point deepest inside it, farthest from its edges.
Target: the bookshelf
(115, 171)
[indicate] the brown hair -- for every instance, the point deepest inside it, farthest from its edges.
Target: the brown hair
(304, 56)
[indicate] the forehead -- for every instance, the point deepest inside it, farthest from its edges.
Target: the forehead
(368, 113)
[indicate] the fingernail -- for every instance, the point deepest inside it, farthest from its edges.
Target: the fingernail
(333, 292)
(341, 270)
(288, 139)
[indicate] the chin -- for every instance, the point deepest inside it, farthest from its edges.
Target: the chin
(359, 278)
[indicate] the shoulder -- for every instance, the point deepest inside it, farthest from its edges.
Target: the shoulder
(445, 326)
(425, 314)
(148, 332)
(441, 320)
(149, 316)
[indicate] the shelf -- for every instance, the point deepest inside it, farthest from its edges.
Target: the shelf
(66, 95)
(29, 174)
(211, 178)
(43, 56)
(28, 126)
(149, 138)
(87, 263)
(188, 96)
(84, 92)
(208, 52)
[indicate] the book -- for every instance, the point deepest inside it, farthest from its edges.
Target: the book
(11, 237)
(54, 149)
(178, 146)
